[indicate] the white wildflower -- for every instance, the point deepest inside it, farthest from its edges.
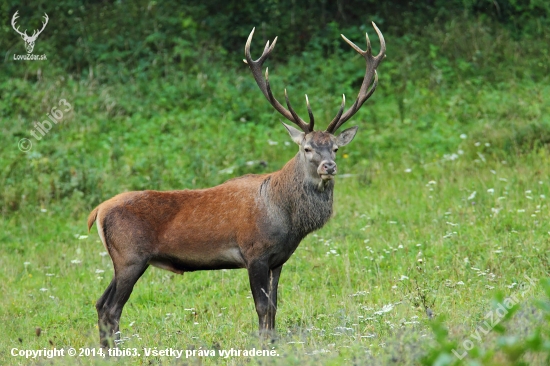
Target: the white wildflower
(385, 309)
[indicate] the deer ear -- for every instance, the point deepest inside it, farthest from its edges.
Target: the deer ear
(346, 136)
(296, 135)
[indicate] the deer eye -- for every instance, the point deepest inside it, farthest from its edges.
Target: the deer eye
(307, 149)
(335, 149)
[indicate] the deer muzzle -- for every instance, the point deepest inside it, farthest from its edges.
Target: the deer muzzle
(327, 169)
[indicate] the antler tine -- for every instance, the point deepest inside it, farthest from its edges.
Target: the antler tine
(367, 96)
(382, 53)
(310, 113)
(294, 115)
(304, 126)
(339, 114)
(263, 84)
(44, 23)
(13, 19)
(370, 73)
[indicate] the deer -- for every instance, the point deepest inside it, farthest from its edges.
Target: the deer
(254, 222)
(29, 40)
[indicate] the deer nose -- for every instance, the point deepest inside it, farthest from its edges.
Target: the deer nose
(327, 167)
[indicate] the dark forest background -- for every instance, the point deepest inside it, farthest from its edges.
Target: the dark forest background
(147, 39)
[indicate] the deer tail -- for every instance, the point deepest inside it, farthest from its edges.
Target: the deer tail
(92, 217)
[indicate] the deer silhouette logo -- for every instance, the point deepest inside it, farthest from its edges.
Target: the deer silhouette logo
(29, 40)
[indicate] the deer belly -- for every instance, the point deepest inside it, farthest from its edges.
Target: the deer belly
(226, 258)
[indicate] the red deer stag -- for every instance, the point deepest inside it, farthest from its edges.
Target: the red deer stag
(254, 222)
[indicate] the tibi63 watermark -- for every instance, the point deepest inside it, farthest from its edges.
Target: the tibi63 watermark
(42, 128)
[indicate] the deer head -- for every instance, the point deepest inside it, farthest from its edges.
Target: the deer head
(318, 148)
(29, 40)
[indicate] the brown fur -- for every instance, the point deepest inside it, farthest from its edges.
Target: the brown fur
(254, 222)
(91, 218)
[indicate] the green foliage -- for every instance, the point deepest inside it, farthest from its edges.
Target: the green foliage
(507, 348)
(143, 40)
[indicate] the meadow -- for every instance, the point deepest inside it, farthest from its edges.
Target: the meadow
(438, 251)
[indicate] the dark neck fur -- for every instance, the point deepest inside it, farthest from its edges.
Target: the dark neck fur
(308, 203)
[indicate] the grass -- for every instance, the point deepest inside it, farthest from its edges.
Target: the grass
(400, 241)
(440, 215)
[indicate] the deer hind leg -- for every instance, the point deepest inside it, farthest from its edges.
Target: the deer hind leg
(263, 283)
(101, 314)
(110, 304)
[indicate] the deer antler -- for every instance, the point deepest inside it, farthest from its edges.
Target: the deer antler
(35, 34)
(263, 83)
(13, 19)
(364, 93)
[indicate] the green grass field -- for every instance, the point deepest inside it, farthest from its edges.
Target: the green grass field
(446, 234)
(441, 216)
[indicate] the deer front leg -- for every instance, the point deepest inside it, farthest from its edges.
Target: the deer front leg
(263, 283)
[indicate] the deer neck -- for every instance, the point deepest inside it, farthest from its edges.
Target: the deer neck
(306, 201)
